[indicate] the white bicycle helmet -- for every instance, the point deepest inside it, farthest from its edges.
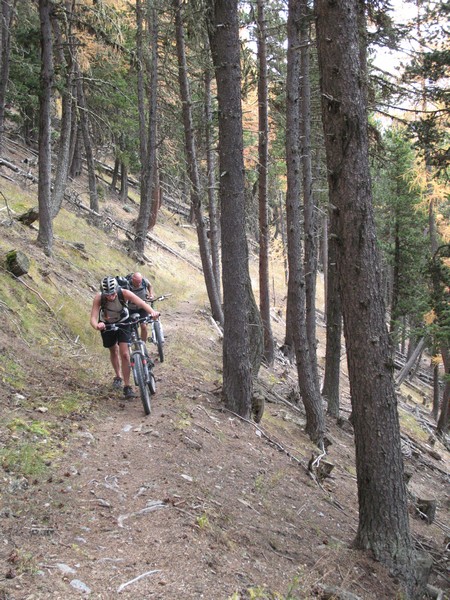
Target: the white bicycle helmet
(109, 285)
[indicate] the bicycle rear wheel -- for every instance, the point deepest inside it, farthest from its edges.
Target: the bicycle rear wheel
(140, 381)
(158, 339)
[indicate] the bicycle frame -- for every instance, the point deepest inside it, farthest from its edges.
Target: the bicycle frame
(137, 346)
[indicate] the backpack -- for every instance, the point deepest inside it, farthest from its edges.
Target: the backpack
(124, 282)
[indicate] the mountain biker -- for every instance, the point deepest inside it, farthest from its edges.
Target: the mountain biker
(143, 289)
(109, 306)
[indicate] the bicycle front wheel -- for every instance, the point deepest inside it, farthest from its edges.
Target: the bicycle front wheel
(151, 382)
(159, 340)
(140, 381)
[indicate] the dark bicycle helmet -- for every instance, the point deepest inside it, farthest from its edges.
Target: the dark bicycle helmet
(108, 285)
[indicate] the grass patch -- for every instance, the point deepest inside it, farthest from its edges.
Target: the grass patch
(29, 448)
(73, 402)
(411, 426)
(11, 372)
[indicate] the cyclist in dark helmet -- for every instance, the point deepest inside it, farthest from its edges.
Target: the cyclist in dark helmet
(110, 306)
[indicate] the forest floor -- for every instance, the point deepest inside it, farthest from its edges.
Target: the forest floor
(191, 502)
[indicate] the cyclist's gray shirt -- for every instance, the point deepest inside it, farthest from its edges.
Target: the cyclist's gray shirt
(141, 292)
(112, 311)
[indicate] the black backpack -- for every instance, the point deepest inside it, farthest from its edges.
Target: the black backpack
(124, 282)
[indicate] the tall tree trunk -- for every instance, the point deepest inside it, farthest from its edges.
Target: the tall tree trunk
(140, 68)
(214, 225)
(383, 516)
(331, 380)
(45, 235)
(156, 197)
(308, 384)
(84, 120)
(263, 154)
(115, 174)
(149, 162)
(7, 14)
(76, 164)
(123, 194)
(308, 197)
(191, 159)
(66, 66)
(225, 48)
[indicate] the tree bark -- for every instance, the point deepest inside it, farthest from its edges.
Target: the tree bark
(225, 48)
(7, 15)
(309, 211)
(191, 159)
(68, 93)
(331, 380)
(123, 193)
(410, 362)
(84, 120)
(45, 235)
(383, 516)
(308, 384)
(214, 219)
(263, 154)
(149, 159)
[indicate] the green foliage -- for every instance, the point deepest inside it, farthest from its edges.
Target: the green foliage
(401, 225)
(439, 267)
(23, 88)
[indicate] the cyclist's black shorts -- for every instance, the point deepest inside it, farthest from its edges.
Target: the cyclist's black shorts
(110, 338)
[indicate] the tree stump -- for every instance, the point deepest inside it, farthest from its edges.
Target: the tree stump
(258, 404)
(426, 508)
(17, 263)
(29, 217)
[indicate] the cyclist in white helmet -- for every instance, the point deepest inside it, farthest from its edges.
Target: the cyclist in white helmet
(110, 306)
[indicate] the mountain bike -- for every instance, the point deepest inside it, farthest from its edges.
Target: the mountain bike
(140, 362)
(157, 334)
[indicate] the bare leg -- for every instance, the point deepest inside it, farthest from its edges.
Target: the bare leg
(125, 360)
(114, 357)
(144, 332)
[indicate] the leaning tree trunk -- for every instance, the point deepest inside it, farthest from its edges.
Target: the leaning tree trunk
(191, 159)
(45, 236)
(225, 48)
(383, 513)
(63, 162)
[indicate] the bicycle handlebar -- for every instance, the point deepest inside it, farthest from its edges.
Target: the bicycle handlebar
(160, 298)
(134, 319)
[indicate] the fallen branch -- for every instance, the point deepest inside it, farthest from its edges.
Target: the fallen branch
(147, 574)
(269, 439)
(154, 506)
(17, 170)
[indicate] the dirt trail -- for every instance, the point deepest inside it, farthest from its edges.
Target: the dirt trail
(189, 503)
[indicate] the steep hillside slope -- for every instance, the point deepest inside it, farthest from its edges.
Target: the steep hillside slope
(191, 502)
